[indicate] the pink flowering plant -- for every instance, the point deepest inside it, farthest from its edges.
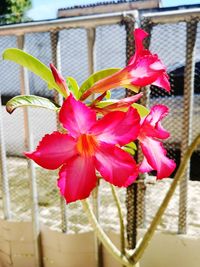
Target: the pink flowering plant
(97, 137)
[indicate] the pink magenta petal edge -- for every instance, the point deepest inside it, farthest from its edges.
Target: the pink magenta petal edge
(77, 179)
(76, 117)
(53, 150)
(118, 127)
(115, 165)
(156, 157)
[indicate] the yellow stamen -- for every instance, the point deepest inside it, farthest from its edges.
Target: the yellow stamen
(87, 144)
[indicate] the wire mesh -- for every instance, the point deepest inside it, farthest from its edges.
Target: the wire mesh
(169, 42)
(13, 128)
(111, 50)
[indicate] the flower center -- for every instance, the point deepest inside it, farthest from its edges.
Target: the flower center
(86, 144)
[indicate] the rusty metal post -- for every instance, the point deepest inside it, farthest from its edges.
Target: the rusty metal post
(3, 168)
(141, 201)
(131, 22)
(187, 119)
(135, 200)
(56, 60)
(24, 84)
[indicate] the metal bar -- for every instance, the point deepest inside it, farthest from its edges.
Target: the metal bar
(3, 168)
(91, 34)
(56, 60)
(91, 21)
(187, 119)
(96, 20)
(172, 16)
(24, 84)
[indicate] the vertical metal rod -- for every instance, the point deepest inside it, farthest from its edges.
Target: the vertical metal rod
(56, 60)
(24, 84)
(187, 119)
(91, 36)
(3, 168)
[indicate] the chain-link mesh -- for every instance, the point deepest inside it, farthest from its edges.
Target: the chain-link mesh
(73, 61)
(169, 42)
(110, 50)
(13, 129)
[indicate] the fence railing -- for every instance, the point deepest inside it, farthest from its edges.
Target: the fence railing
(81, 46)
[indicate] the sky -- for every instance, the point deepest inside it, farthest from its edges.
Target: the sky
(47, 9)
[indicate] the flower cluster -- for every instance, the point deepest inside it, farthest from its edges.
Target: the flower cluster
(96, 133)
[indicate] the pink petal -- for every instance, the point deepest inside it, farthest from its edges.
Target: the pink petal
(157, 113)
(59, 80)
(53, 150)
(156, 157)
(77, 178)
(152, 125)
(163, 82)
(142, 73)
(118, 127)
(145, 167)
(76, 117)
(119, 105)
(139, 36)
(116, 166)
(144, 68)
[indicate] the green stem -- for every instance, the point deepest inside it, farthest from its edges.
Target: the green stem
(147, 237)
(114, 251)
(119, 209)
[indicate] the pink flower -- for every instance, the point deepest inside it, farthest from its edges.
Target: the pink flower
(144, 68)
(59, 80)
(89, 145)
(121, 104)
(154, 153)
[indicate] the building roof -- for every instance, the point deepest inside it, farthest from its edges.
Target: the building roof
(107, 7)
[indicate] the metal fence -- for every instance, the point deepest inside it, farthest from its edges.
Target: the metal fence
(78, 47)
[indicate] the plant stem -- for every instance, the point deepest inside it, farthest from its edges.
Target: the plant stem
(147, 237)
(119, 209)
(114, 251)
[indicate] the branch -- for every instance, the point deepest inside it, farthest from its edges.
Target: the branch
(121, 221)
(147, 237)
(104, 238)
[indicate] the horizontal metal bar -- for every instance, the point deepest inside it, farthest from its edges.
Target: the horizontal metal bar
(172, 16)
(75, 22)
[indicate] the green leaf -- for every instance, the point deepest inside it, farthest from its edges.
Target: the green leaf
(132, 145)
(129, 150)
(95, 77)
(30, 100)
(108, 95)
(73, 86)
(33, 64)
(106, 103)
(143, 111)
